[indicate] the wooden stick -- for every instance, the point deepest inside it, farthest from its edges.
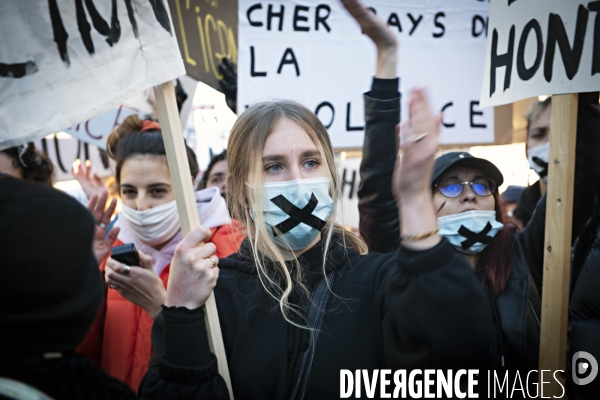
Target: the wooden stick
(557, 244)
(186, 205)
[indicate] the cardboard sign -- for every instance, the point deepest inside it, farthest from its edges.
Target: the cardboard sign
(541, 47)
(62, 63)
(207, 33)
(313, 51)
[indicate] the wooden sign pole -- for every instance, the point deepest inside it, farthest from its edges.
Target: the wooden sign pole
(557, 245)
(186, 205)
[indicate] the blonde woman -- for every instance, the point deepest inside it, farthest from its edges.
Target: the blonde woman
(302, 299)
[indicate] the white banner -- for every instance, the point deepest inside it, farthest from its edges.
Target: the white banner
(313, 51)
(541, 47)
(64, 62)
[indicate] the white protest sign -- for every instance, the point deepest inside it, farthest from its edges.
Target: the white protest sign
(541, 47)
(312, 51)
(96, 130)
(63, 150)
(349, 178)
(62, 62)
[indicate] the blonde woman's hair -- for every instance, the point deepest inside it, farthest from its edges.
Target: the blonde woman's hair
(244, 152)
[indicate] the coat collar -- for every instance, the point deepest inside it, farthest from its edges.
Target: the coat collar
(311, 260)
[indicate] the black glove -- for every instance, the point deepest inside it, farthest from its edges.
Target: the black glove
(180, 95)
(228, 83)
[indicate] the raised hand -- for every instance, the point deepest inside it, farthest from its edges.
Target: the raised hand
(91, 184)
(140, 285)
(412, 178)
(380, 34)
(194, 271)
(371, 25)
(419, 138)
(102, 215)
(228, 83)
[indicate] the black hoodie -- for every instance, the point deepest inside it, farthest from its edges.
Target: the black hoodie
(402, 310)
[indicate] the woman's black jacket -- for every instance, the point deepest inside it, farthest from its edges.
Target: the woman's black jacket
(402, 310)
(518, 305)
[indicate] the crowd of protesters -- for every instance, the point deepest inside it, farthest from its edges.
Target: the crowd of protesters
(446, 272)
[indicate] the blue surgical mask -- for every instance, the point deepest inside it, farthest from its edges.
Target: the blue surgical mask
(296, 211)
(471, 231)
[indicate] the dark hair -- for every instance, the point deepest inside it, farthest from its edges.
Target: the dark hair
(128, 140)
(34, 165)
(215, 159)
(495, 261)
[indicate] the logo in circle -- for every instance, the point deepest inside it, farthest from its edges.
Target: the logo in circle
(582, 367)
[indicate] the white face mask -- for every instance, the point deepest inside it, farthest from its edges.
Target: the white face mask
(154, 226)
(471, 231)
(298, 209)
(542, 154)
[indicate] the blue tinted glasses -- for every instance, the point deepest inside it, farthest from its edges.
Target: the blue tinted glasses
(453, 187)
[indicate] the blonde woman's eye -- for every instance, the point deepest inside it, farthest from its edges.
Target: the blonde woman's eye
(312, 163)
(273, 168)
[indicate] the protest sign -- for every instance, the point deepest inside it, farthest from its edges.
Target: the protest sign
(313, 51)
(207, 33)
(536, 48)
(64, 149)
(541, 47)
(349, 172)
(75, 61)
(96, 130)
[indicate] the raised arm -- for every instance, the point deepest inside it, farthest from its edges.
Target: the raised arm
(380, 34)
(436, 313)
(420, 141)
(378, 222)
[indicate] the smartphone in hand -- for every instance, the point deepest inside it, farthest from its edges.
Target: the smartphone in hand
(126, 254)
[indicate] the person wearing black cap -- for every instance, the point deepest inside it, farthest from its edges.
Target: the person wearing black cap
(455, 218)
(50, 292)
(460, 205)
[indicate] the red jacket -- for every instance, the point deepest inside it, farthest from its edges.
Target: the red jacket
(119, 340)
